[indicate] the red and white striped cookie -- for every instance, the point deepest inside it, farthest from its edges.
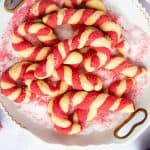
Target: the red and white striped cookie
(94, 4)
(88, 17)
(43, 87)
(125, 67)
(13, 86)
(121, 87)
(70, 111)
(19, 84)
(91, 37)
(28, 50)
(46, 7)
(48, 88)
(95, 58)
(41, 8)
(77, 79)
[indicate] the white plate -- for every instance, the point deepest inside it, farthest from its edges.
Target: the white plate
(136, 15)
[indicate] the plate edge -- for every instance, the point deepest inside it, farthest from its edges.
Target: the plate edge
(143, 11)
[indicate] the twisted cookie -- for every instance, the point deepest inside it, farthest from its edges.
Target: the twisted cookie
(103, 59)
(70, 111)
(25, 48)
(121, 87)
(79, 81)
(43, 87)
(86, 37)
(13, 86)
(46, 7)
(94, 4)
(87, 17)
(125, 67)
(41, 8)
(48, 88)
(19, 84)
(94, 60)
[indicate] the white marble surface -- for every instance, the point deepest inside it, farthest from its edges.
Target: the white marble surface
(16, 138)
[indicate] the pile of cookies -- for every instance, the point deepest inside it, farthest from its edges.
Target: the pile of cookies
(65, 70)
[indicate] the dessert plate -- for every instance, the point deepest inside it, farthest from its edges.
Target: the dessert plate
(132, 17)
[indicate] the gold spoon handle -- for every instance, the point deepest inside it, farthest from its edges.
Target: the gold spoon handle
(11, 5)
(127, 126)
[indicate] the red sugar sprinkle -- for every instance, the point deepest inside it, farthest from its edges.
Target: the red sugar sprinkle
(18, 16)
(4, 52)
(30, 2)
(4, 55)
(103, 116)
(137, 91)
(141, 41)
(43, 100)
(108, 76)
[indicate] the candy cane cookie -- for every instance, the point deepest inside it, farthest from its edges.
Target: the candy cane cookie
(72, 110)
(25, 48)
(125, 67)
(94, 4)
(13, 86)
(19, 84)
(102, 58)
(41, 8)
(90, 36)
(48, 88)
(119, 64)
(121, 87)
(87, 17)
(92, 61)
(78, 80)
(45, 7)
(43, 87)
(43, 33)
